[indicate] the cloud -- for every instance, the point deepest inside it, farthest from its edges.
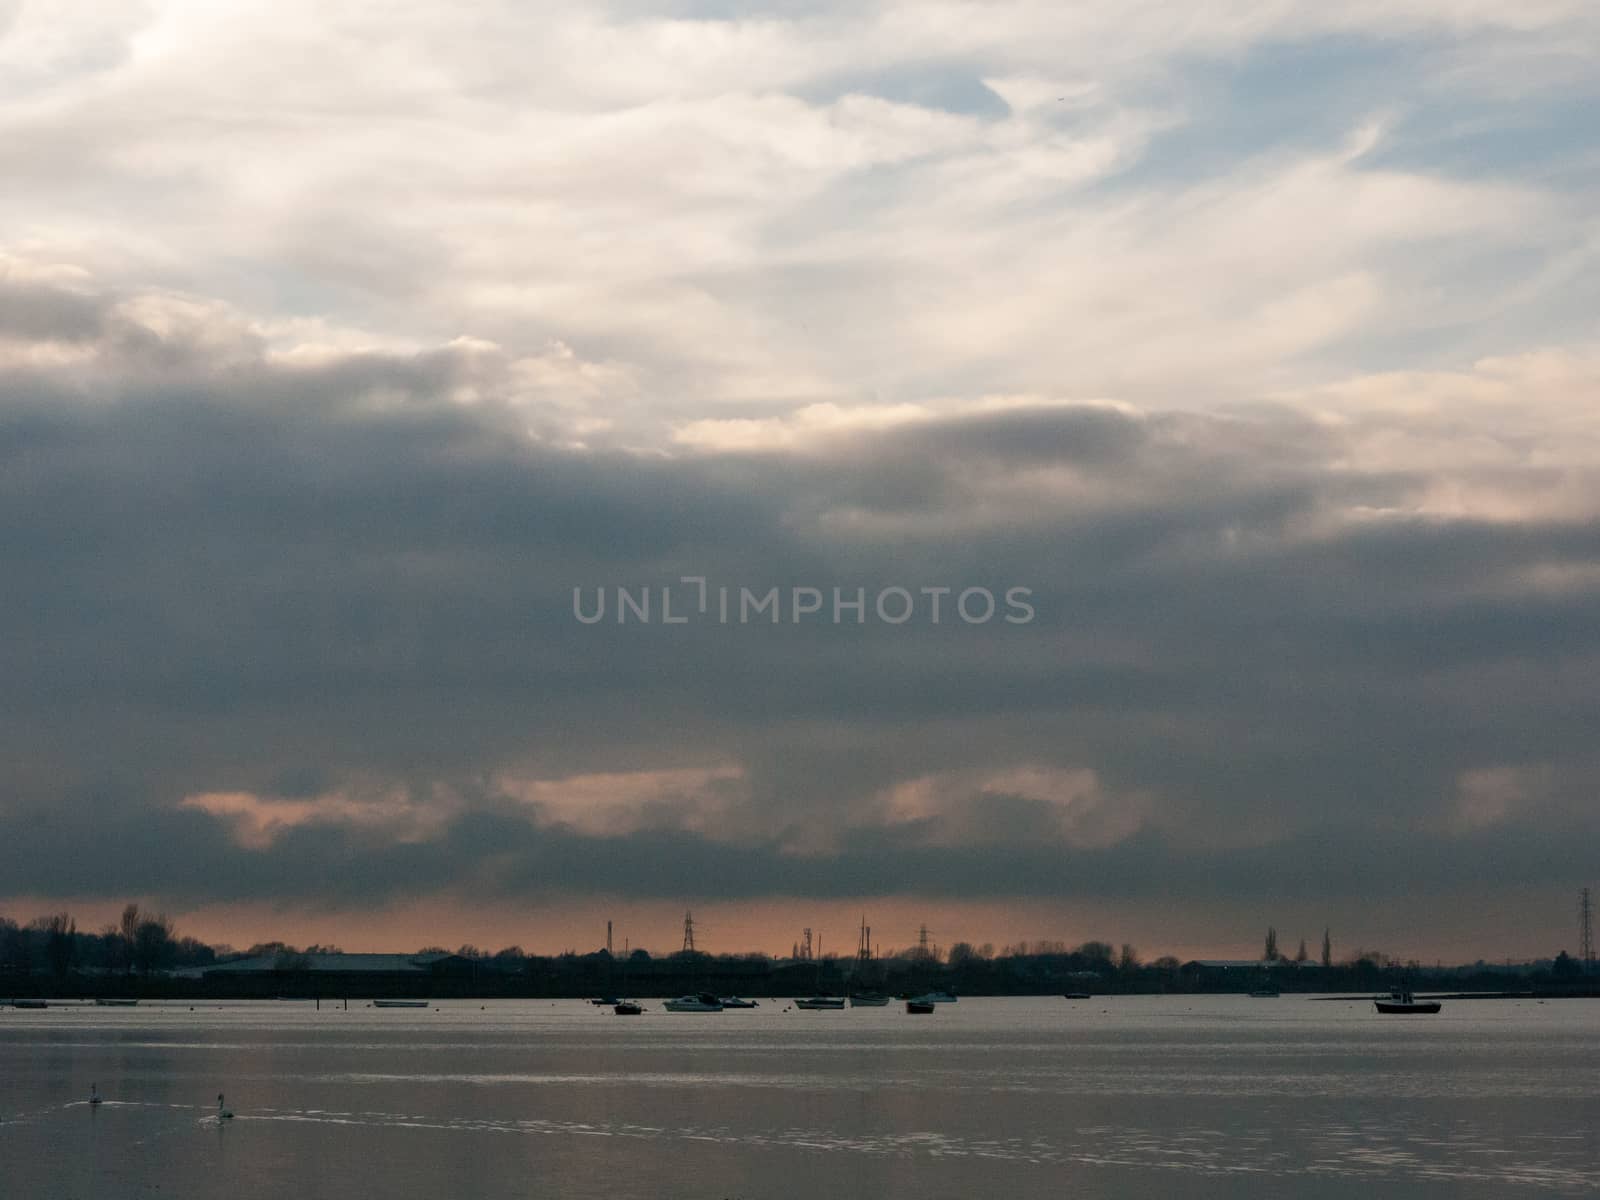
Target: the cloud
(283, 625)
(339, 345)
(763, 210)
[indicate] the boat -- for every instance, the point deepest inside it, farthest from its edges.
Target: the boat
(29, 1004)
(739, 1002)
(868, 997)
(103, 1002)
(934, 998)
(1079, 996)
(399, 1004)
(1401, 1001)
(606, 1000)
(627, 1008)
(919, 1006)
(1265, 993)
(819, 1002)
(705, 1002)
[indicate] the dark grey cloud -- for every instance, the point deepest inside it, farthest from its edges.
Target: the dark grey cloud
(223, 573)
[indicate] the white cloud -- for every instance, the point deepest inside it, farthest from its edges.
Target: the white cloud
(726, 213)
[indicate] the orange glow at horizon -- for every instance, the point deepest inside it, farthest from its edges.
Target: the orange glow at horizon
(772, 925)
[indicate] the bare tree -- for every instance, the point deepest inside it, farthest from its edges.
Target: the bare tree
(128, 930)
(1327, 948)
(152, 942)
(1097, 952)
(60, 941)
(962, 952)
(14, 956)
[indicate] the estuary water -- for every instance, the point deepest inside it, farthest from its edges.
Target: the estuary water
(994, 1098)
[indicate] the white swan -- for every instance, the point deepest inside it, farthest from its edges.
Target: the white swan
(223, 1114)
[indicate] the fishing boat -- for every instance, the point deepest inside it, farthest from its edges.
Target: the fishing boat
(705, 1002)
(399, 1004)
(868, 1000)
(739, 1002)
(104, 1002)
(919, 1006)
(828, 1003)
(1401, 1002)
(627, 1008)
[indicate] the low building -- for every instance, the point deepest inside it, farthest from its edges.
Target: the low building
(330, 974)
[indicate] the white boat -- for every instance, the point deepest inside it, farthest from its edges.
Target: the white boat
(821, 1002)
(399, 1004)
(739, 1002)
(705, 1002)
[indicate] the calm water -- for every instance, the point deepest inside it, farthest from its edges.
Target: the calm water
(1116, 1097)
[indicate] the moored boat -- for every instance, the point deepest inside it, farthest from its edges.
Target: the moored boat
(705, 1002)
(821, 1002)
(29, 1004)
(739, 1002)
(1079, 996)
(1402, 1002)
(399, 1004)
(919, 1006)
(868, 1000)
(105, 1002)
(627, 1008)
(1265, 994)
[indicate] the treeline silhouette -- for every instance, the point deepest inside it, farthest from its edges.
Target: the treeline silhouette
(143, 955)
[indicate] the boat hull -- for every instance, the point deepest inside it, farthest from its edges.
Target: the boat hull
(918, 1006)
(1416, 1008)
(399, 1004)
(819, 1003)
(869, 1001)
(693, 1004)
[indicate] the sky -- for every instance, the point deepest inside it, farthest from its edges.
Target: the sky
(1243, 354)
